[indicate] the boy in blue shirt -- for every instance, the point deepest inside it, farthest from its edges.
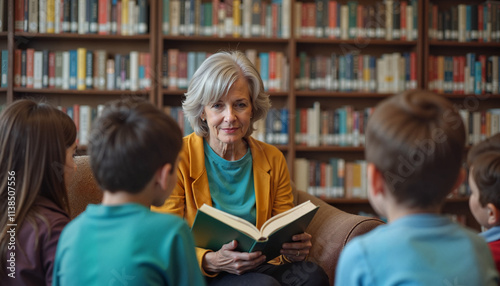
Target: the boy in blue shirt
(414, 147)
(133, 153)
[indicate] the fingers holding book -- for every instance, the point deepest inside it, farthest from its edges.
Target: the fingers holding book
(298, 250)
(228, 260)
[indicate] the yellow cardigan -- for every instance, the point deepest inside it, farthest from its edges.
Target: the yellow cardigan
(273, 192)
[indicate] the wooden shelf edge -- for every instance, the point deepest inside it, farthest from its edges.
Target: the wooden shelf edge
(75, 36)
(80, 92)
(226, 39)
(180, 92)
(463, 96)
(437, 43)
(333, 94)
(363, 41)
(301, 148)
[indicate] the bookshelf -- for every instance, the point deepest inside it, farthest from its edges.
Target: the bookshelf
(77, 55)
(301, 41)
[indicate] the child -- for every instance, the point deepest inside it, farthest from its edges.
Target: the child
(484, 181)
(37, 143)
(133, 153)
(414, 147)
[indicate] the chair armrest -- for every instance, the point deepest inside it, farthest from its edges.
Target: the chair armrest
(331, 229)
(83, 189)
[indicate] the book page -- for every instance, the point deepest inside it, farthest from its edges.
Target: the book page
(284, 218)
(232, 220)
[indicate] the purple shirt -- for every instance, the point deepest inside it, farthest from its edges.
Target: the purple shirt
(34, 264)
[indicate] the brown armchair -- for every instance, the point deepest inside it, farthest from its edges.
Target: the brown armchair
(331, 228)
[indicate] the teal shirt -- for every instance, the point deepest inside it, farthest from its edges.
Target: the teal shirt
(231, 184)
(126, 245)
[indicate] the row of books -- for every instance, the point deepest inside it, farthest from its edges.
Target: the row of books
(179, 66)
(104, 17)
(83, 116)
(177, 114)
(82, 69)
(227, 18)
(389, 20)
(480, 125)
(4, 69)
(355, 72)
(343, 126)
(333, 178)
(465, 23)
(274, 128)
(469, 74)
(338, 178)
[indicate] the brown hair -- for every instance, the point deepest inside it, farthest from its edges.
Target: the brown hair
(129, 142)
(416, 140)
(486, 174)
(489, 144)
(68, 128)
(32, 151)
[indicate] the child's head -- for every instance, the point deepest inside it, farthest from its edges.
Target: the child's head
(129, 143)
(32, 152)
(484, 181)
(489, 144)
(415, 141)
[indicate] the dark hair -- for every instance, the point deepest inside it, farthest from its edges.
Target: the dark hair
(489, 144)
(416, 140)
(486, 174)
(68, 128)
(32, 150)
(129, 142)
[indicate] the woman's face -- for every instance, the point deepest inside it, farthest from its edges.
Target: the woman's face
(69, 166)
(229, 119)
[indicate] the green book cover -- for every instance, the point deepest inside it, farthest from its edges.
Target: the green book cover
(212, 228)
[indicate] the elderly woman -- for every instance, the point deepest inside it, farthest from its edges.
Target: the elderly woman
(222, 166)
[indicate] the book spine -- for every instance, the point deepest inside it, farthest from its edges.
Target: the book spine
(89, 69)
(4, 68)
(52, 70)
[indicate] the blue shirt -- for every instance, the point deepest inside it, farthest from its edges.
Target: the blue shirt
(492, 234)
(422, 249)
(231, 184)
(126, 245)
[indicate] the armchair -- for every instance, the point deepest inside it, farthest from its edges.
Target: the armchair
(331, 228)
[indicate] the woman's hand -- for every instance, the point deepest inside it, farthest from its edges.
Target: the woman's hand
(228, 260)
(299, 249)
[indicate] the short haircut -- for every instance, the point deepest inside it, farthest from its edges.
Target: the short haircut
(486, 174)
(489, 144)
(212, 81)
(129, 142)
(416, 140)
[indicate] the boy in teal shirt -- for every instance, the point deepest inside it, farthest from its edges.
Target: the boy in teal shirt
(133, 153)
(414, 147)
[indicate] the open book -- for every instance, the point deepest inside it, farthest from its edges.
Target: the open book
(213, 228)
